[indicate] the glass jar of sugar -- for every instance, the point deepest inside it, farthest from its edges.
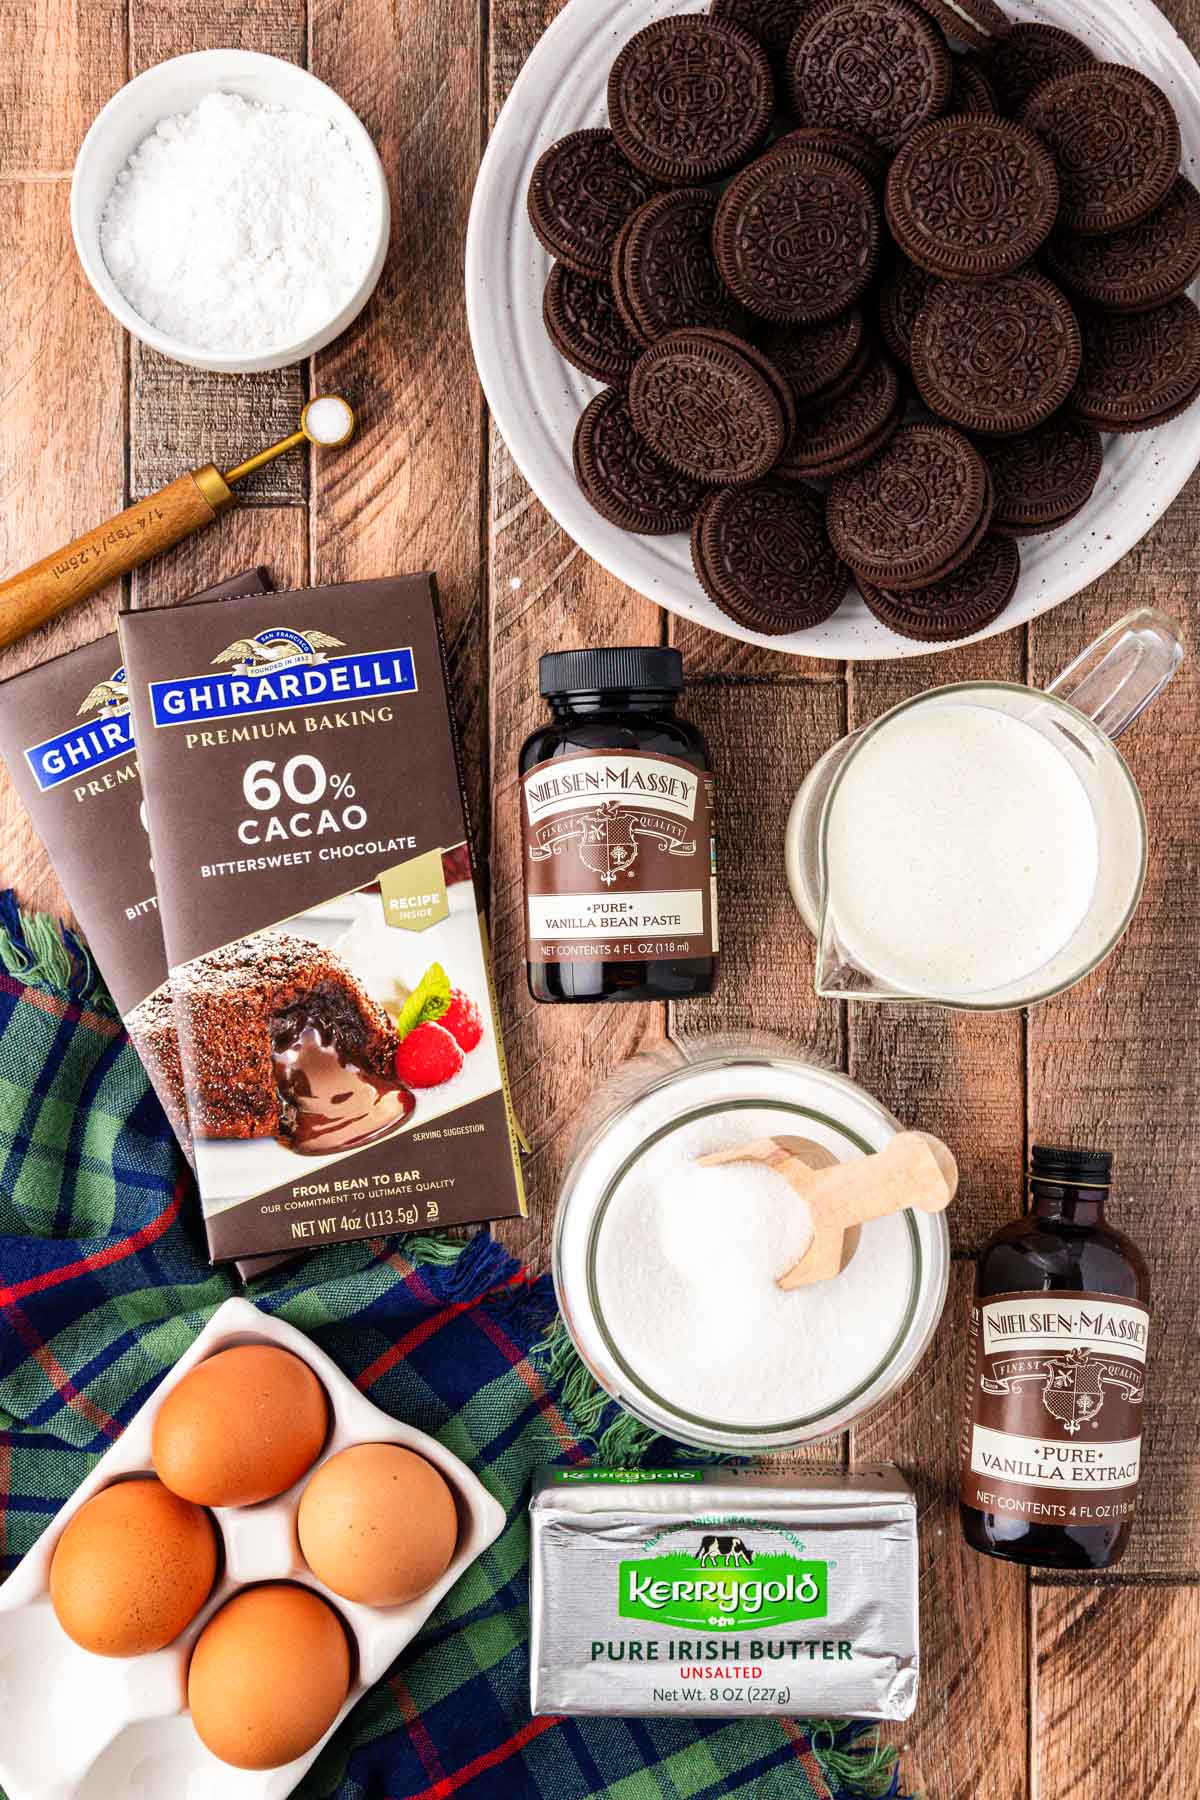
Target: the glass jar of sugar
(667, 1272)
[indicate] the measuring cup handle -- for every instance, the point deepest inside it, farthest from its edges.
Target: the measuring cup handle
(1117, 677)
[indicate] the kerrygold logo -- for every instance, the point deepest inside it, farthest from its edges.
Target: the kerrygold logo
(724, 1585)
(80, 749)
(277, 669)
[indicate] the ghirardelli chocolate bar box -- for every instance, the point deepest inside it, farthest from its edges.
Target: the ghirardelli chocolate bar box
(66, 734)
(340, 1056)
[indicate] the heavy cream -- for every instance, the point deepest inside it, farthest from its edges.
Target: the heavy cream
(962, 851)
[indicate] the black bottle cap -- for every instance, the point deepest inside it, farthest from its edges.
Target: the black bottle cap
(1084, 1167)
(630, 667)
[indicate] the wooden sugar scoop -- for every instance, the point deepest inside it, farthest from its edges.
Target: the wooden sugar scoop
(915, 1170)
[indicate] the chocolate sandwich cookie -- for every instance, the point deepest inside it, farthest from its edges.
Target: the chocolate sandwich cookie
(583, 324)
(979, 23)
(665, 270)
(851, 146)
(818, 362)
(580, 195)
(914, 512)
(880, 67)
(1143, 266)
(704, 402)
(1029, 56)
(904, 292)
(1116, 141)
(796, 236)
(772, 22)
(762, 554)
(996, 357)
(970, 90)
(1043, 478)
(689, 99)
(971, 197)
(1139, 369)
(970, 599)
(622, 477)
(845, 432)
(616, 272)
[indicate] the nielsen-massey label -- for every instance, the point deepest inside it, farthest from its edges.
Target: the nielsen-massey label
(1053, 1432)
(620, 860)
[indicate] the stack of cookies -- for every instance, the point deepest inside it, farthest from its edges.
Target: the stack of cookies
(863, 303)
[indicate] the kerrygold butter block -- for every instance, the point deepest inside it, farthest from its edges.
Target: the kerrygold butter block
(304, 800)
(721, 1592)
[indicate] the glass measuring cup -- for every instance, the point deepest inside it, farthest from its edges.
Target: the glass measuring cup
(1031, 882)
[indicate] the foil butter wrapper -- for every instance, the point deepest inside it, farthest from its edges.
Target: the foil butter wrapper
(723, 1592)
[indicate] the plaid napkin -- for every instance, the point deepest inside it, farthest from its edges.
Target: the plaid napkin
(104, 1284)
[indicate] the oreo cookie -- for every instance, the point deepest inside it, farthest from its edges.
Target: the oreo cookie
(1139, 369)
(664, 268)
(996, 357)
(851, 146)
(904, 292)
(915, 512)
(772, 22)
(971, 92)
(818, 362)
(762, 554)
(583, 324)
(1030, 55)
(979, 23)
(623, 478)
(967, 601)
(689, 100)
(1045, 477)
(708, 404)
(796, 236)
(580, 195)
(971, 197)
(845, 432)
(880, 67)
(1116, 141)
(1143, 266)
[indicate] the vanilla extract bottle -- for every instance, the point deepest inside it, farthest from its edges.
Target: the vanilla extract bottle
(1052, 1432)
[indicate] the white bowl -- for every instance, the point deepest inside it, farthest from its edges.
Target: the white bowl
(536, 397)
(177, 86)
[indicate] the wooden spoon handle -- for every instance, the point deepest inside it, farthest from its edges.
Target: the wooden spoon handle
(110, 550)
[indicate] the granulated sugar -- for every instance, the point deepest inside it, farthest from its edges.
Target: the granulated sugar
(237, 227)
(686, 1271)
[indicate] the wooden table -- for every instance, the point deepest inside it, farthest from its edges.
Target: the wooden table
(1063, 1690)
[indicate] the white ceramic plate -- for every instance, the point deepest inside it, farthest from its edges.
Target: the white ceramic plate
(536, 397)
(83, 1727)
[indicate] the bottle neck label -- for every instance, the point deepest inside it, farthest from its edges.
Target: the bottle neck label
(1053, 1426)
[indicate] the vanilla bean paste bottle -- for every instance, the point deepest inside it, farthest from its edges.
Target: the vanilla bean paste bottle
(616, 797)
(1053, 1427)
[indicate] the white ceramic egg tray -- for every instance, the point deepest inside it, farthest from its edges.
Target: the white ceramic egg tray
(74, 1726)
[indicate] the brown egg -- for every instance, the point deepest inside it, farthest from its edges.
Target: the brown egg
(377, 1523)
(268, 1675)
(132, 1569)
(240, 1427)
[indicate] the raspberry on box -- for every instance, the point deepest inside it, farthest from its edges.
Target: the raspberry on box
(428, 1056)
(463, 1020)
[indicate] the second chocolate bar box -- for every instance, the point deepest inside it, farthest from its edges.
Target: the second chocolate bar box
(341, 1061)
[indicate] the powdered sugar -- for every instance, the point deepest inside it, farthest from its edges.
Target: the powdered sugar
(239, 228)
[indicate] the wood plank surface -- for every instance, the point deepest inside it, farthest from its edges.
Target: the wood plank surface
(1118, 1686)
(1042, 1690)
(62, 468)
